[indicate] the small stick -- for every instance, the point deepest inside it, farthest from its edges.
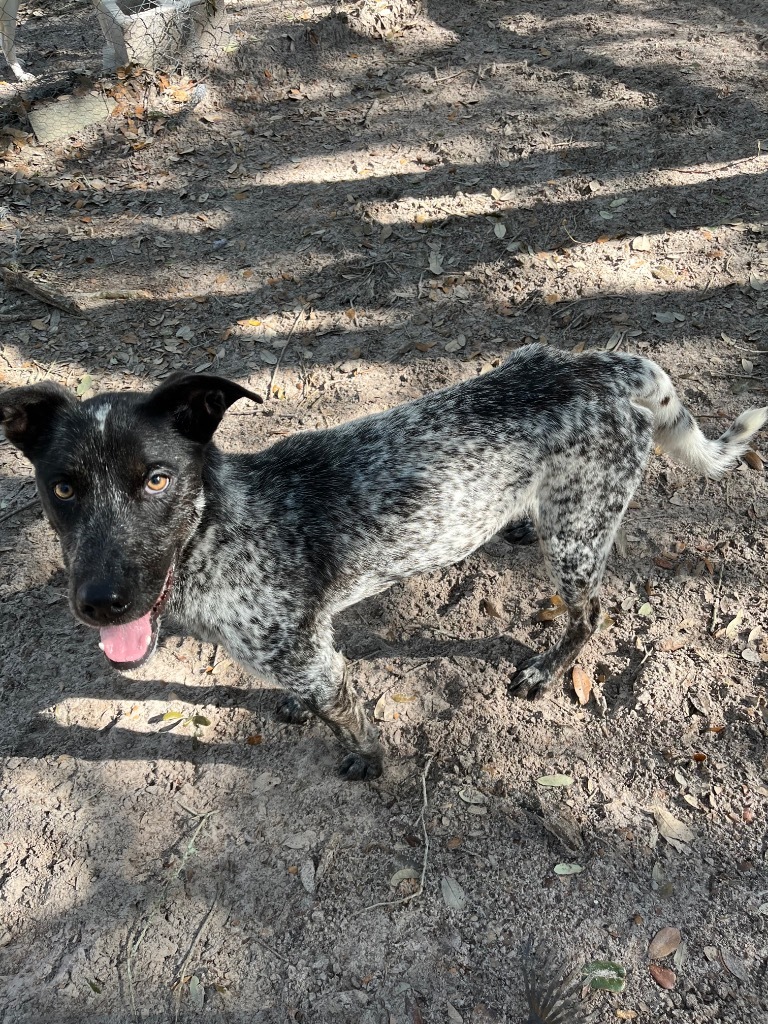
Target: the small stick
(19, 508)
(278, 956)
(130, 293)
(722, 167)
(737, 376)
(133, 944)
(187, 958)
(424, 805)
(16, 278)
(636, 674)
(716, 605)
(282, 351)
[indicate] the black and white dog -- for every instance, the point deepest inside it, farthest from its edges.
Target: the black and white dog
(259, 552)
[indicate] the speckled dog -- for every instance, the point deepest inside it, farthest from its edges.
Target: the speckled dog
(259, 552)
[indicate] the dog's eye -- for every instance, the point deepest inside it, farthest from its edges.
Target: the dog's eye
(156, 482)
(63, 490)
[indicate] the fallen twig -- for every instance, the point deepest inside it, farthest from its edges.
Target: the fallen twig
(19, 508)
(15, 277)
(187, 958)
(282, 351)
(716, 603)
(639, 668)
(722, 167)
(422, 819)
(128, 293)
(134, 943)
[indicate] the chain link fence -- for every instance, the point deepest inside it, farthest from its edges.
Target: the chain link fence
(79, 63)
(61, 66)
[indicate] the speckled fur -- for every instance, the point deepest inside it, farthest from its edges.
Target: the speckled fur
(268, 547)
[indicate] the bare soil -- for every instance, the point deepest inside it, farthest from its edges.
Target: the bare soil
(364, 205)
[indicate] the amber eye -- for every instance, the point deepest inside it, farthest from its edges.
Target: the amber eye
(156, 482)
(64, 491)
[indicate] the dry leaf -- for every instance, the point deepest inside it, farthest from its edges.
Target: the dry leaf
(674, 643)
(456, 343)
(472, 796)
(734, 965)
(554, 781)
(663, 976)
(453, 894)
(754, 461)
(402, 875)
(568, 869)
(664, 942)
(550, 614)
(489, 607)
(733, 627)
(675, 832)
(582, 684)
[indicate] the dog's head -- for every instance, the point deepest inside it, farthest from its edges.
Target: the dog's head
(120, 477)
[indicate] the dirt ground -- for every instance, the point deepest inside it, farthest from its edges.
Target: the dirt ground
(358, 210)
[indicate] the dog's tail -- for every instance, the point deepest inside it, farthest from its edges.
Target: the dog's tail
(677, 433)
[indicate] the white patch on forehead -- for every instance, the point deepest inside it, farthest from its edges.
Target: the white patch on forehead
(100, 415)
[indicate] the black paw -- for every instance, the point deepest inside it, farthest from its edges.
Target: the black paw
(532, 679)
(356, 768)
(521, 532)
(292, 710)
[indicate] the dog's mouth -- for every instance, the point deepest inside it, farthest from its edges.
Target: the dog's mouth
(133, 643)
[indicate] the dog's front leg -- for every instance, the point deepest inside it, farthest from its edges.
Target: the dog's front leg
(346, 716)
(321, 687)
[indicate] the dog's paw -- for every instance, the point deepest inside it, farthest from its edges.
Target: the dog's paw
(532, 679)
(21, 75)
(356, 768)
(292, 710)
(521, 532)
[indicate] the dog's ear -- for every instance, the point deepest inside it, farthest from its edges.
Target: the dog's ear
(196, 402)
(27, 414)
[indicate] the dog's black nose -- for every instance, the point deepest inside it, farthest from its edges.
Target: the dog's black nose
(101, 602)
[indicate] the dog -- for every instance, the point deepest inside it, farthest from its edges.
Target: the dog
(258, 552)
(9, 10)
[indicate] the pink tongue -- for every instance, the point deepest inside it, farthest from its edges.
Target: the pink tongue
(129, 642)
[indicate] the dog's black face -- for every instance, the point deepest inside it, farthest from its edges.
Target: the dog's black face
(120, 479)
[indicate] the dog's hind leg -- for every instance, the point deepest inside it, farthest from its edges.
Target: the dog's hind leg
(317, 684)
(577, 523)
